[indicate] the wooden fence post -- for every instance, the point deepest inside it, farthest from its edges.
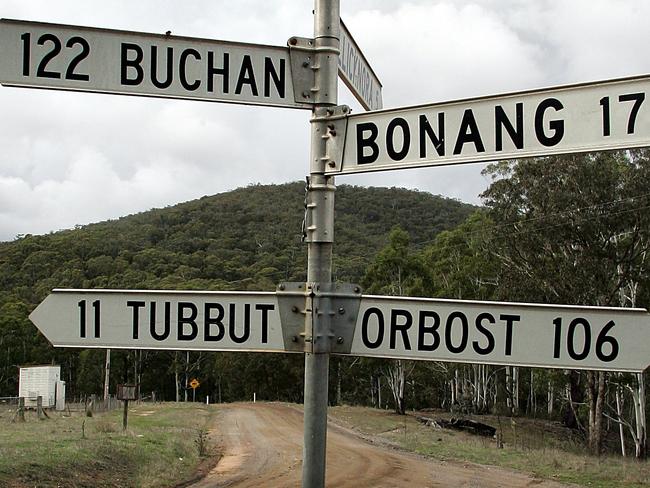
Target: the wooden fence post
(39, 407)
(21, 409)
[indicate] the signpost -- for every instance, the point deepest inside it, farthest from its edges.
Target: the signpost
(208, 321)
(126, 393)
(40, 55)
(356, 73)
(519, 334)
(572, 119)
(319, 318)
(194, 384)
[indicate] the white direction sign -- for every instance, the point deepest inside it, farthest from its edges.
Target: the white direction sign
(40, 55)
(187, 320)
(356, 73)
(549, 336)
(588, 117)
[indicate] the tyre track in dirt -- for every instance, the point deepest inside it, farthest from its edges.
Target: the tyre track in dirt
(261, 445)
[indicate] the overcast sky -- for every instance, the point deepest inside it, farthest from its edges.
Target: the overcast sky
(75, 158)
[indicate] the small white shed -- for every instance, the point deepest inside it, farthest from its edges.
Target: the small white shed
(41, 381)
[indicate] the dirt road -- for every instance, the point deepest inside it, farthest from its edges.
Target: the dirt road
(261, 445)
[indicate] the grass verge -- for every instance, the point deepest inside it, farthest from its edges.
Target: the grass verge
(540, 448)
(159, 448)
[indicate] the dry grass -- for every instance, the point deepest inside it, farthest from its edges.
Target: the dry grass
(158, 449)
(544, 449)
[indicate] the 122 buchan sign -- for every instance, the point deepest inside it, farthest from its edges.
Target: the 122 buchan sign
(41, 55)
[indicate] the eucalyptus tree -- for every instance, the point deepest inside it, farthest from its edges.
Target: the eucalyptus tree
(572, 229)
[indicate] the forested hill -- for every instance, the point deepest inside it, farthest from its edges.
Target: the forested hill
(246, 239)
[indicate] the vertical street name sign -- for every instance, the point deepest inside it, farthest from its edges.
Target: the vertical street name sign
(599, 116)
(41, 55)
(356, 73)
(180, 320)
(549, 336)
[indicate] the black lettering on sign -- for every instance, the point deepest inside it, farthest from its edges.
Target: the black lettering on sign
(70, 73)
(398, 155)
(431, 329)
(212, 321)
(223, 71)
(233, 324)
(265, 308)
(464, 330)
(397, 325)
(42, 71)
(380, 328)
(468, 133)
(56, 47)
(638, 99)
(556, 126)
(246, 76)
(131, 57)
(182, 70)
(603, 339)
(476, 345)
(169, 75)
(135, 321)
(184, 320)
(166, 322)
(364, 142)
(426, 130)
(516, 132)
(586, 328)
(27, 50)
(82, 318)
(279, 79)
(510, 320)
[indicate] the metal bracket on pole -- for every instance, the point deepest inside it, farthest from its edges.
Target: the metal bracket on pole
(294, 303)
(303, 55)
(319, 204)
(336, 307)
(318, 317)
(336, 119)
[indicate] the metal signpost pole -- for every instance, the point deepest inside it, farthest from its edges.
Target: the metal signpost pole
(320, 229)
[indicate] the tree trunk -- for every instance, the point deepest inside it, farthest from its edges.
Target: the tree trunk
(619, 413)
(176, 378)
(641, 432)
(396, 382)
(515, 390)
(107, 375)
(187, 375)
(379, 391)
(596, 397)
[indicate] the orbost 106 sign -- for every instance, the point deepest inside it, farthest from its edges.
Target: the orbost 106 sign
(556, 336)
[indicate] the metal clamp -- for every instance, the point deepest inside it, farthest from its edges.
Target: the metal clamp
(318, 317)
(303, 53)
(301, 57)
(319, 203)
(336, 119)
